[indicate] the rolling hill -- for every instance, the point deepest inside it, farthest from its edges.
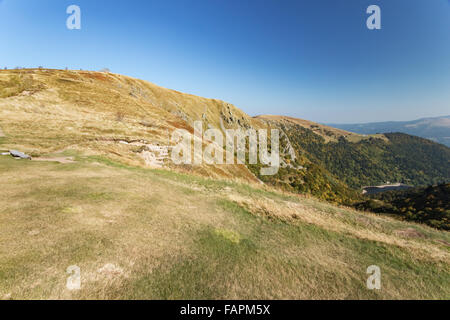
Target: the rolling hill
(350, 161)
(436, 129)
(101, 194)
(130, 121)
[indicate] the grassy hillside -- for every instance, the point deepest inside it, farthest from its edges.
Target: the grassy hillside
(154, 234)
(140, 229)
(51, 110)
(369, 160)
(44, 111)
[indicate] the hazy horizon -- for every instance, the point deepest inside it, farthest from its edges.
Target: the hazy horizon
(406, 120)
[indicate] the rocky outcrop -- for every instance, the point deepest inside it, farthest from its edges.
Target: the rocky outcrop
(18, 154)
(227, 116)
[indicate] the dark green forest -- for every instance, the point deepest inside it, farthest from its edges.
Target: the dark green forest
(337, 170)
(430, 205)
(373, 161)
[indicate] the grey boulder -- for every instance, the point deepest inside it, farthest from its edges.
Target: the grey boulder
(18, 154)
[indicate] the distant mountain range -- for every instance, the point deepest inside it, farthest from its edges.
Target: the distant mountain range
(436, 129)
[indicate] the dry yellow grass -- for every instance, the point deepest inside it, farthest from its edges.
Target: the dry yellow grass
(365, 226)
(139, 233)
(92, 111)
(209, 232)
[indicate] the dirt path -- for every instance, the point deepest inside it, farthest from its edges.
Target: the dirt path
(56, 159)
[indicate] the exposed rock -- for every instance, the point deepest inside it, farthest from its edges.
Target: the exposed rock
(181, 114)
(288, 149)
(138, 92)
(154, 155)
(18, 154)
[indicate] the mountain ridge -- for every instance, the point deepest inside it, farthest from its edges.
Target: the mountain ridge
(433, 128)
(139, 229)
(129, 120)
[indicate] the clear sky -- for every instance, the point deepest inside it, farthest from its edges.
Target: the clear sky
(313, 59)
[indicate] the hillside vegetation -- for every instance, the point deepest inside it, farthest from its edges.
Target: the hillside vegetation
(430, 205)
(141, 229)
(369, 160)
(52, 110)
(140, 233)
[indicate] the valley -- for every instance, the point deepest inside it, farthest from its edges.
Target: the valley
(102, 194)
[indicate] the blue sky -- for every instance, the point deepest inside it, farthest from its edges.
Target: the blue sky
(313, 59)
